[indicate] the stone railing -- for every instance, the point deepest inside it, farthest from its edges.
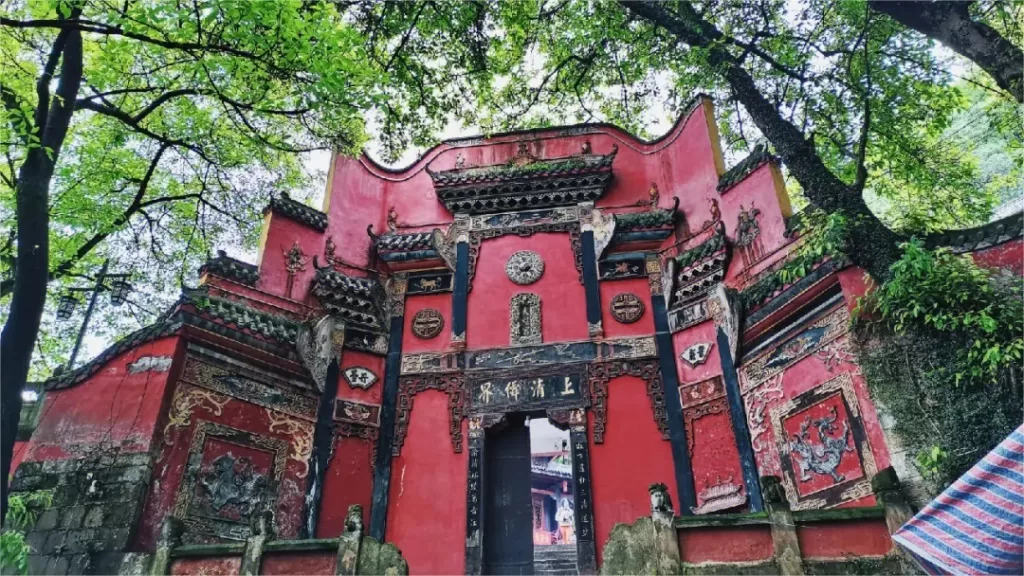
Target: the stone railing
(350, 554)
(777, 541)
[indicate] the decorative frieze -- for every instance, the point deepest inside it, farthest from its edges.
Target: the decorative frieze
(356, 412)
(430, 283)
(819, 333)
(687, 315)
(621, 268)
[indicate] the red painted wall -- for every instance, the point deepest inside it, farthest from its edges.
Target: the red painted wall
(632, 457)
(562, 298)
(854, 538)
(733, 544)
(427, 503)
(320, 563)
(112, 408)
(348, 480)
(1009, 255)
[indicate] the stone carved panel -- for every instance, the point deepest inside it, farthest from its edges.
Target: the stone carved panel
(218, 378)
(427, 323)
(524, 267)
(824, 452)
(230, 476)
(626, 308)
(524, 319)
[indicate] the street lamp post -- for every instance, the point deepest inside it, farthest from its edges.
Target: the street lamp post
(119, 293)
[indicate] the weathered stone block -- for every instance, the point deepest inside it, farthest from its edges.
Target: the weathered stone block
(94, 517)
(48, 520)
(71, 518)
(377, 558)
(78, 564)
(54, 542)
(79, 541)
(36, 541)
(37, 563)
(639, 549)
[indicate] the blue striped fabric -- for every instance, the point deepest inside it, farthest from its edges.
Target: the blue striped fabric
(977, 525)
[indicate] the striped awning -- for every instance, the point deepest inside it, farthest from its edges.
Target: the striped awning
(976, 526)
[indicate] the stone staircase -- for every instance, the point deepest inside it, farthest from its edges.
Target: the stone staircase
(556, 560)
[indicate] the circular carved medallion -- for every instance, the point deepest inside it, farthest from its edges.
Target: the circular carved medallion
(524, 267)
(627, 308)
(427, 323)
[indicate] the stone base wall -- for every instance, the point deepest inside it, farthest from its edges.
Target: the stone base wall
(96, 505)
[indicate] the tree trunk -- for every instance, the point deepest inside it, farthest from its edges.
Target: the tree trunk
(876, 246)
(950, 23)
(30, 278)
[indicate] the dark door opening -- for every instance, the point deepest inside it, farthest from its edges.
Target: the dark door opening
(508, 547)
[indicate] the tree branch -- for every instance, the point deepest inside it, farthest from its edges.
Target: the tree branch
(950, 23)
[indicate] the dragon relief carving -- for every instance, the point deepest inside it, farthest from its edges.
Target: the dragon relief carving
(233, 482)
(823, 458)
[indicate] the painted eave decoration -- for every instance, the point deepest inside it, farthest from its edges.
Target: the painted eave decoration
(525, 182)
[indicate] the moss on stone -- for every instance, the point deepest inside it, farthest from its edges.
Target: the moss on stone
(638, 549)
(377, 558)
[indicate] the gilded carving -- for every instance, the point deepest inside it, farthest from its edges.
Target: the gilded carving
(301, 433)
(186, 400)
